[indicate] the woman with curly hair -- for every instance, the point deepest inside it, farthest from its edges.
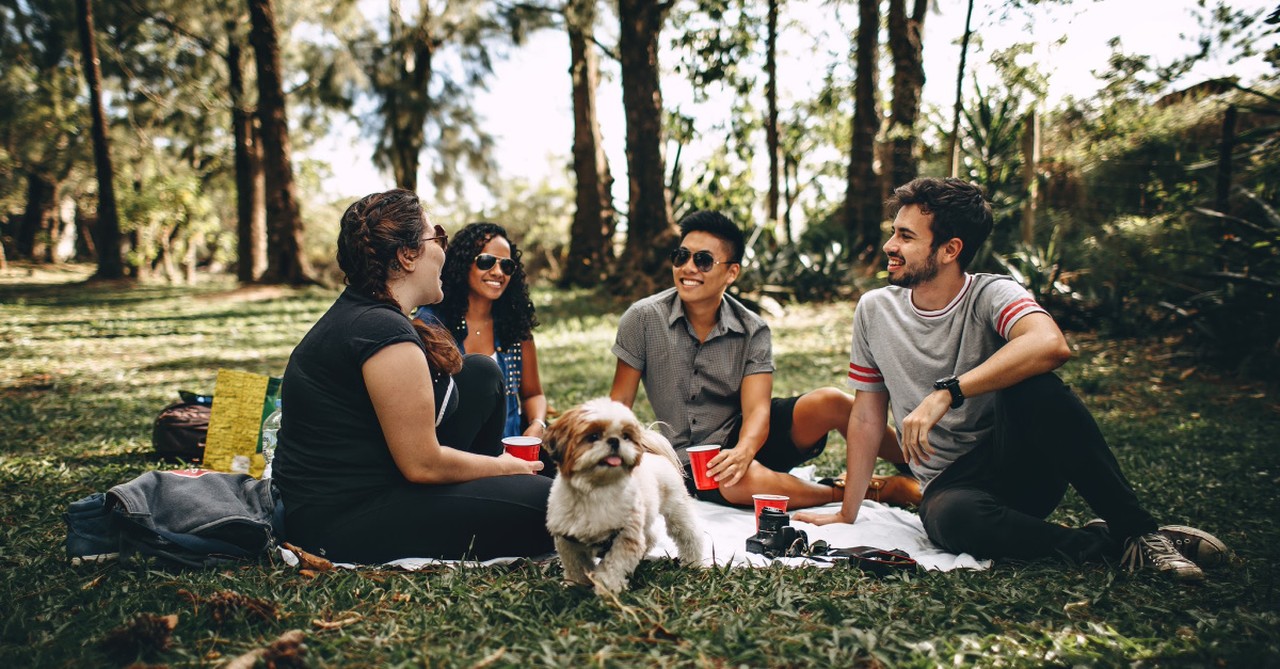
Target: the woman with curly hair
(390, 444)
(487, 308)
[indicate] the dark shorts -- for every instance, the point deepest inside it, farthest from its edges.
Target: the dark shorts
(779, 453)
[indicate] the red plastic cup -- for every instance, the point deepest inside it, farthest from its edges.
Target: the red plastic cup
(778, 502)
(525, 448)
(699, 456)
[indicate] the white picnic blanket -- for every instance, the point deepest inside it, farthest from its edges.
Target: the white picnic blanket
(878, 525)
(726, 530)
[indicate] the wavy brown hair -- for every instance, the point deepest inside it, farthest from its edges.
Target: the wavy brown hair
(373, 232)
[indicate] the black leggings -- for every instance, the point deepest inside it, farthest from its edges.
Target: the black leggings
(476, 425)
(992, 502)
(501, 516)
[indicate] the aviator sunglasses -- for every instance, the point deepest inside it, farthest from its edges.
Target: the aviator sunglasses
(485, 262)
(703, 260)
(440, 236)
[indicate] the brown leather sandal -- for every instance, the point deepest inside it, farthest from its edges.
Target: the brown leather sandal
(897, 489)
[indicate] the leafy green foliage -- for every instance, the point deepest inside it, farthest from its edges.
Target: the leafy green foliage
(84, 369)
(1237, 314)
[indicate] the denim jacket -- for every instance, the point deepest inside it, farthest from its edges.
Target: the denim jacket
(510, 361)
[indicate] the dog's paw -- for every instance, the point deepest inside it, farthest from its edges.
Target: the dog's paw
(607, 585)
(574, 583)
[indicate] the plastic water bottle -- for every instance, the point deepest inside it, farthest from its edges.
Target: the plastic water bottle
(270, 428)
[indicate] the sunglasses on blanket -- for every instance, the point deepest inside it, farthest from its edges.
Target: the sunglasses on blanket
(486, 261)
(703, 260)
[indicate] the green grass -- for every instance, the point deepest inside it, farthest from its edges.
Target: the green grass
(84, 368)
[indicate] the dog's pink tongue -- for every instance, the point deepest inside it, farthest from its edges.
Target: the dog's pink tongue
(613, 461)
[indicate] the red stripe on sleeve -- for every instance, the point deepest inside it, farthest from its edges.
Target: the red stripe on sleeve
(1009, 313)
(865, 374)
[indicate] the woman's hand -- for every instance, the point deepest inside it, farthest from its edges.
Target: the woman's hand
(536, 428)
(819, 518)
(513, 465)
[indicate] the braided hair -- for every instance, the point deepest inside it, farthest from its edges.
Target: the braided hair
(373, 232)
(514, 316)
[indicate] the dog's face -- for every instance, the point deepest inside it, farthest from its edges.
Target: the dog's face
(595, 443)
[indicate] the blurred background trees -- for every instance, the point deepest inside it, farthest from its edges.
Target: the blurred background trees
(1146, 206)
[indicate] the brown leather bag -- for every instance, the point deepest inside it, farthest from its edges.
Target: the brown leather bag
(180, 430)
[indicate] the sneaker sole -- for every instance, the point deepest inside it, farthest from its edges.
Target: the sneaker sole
(1206, 551)
(94, 559)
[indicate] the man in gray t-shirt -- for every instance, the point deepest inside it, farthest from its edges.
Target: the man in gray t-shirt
(706, 362)
(966, 361)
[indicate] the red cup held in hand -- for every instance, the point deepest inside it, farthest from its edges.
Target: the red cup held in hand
(699, 456)
(525, 448)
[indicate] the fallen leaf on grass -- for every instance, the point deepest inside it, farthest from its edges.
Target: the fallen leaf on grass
(336, 624)
(286, 652)
(489, 659)
(659, 633)
(1073, 606)
(1186, 373)
(307, 561)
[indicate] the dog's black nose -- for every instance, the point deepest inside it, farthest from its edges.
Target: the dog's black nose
(613, 443)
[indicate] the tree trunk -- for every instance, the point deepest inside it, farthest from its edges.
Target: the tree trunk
(1223, 192)
(251, 228)
(37, 217)
(954, 149)
(110, 258)
(85, 250)
(1030, 183)
(650, 232)
(771, 123)
(591, 239)
(285, 260)
(906, 43)
(406, 100)
(863, 207)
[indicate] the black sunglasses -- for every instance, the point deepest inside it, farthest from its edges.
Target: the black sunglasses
(703, 260)
(440, 236)
(485, 262)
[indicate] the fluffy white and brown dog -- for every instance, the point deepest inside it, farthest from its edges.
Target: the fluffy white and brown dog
(615, 477)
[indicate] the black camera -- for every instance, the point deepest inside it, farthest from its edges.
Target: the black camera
(776, 537)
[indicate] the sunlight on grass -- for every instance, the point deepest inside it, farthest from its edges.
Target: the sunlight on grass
(84, 368)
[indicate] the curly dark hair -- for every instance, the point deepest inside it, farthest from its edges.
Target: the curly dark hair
(514, 317)
(958, 207)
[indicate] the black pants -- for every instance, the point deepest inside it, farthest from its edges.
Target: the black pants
(992, 502)
(492, 517)
(477, 424)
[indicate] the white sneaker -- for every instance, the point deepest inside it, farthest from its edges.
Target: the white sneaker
(1155, 551)
(1195, 544)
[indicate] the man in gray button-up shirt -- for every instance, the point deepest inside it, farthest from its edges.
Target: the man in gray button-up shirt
(706, 362)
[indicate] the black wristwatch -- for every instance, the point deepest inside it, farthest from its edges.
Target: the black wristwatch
(952, 385)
